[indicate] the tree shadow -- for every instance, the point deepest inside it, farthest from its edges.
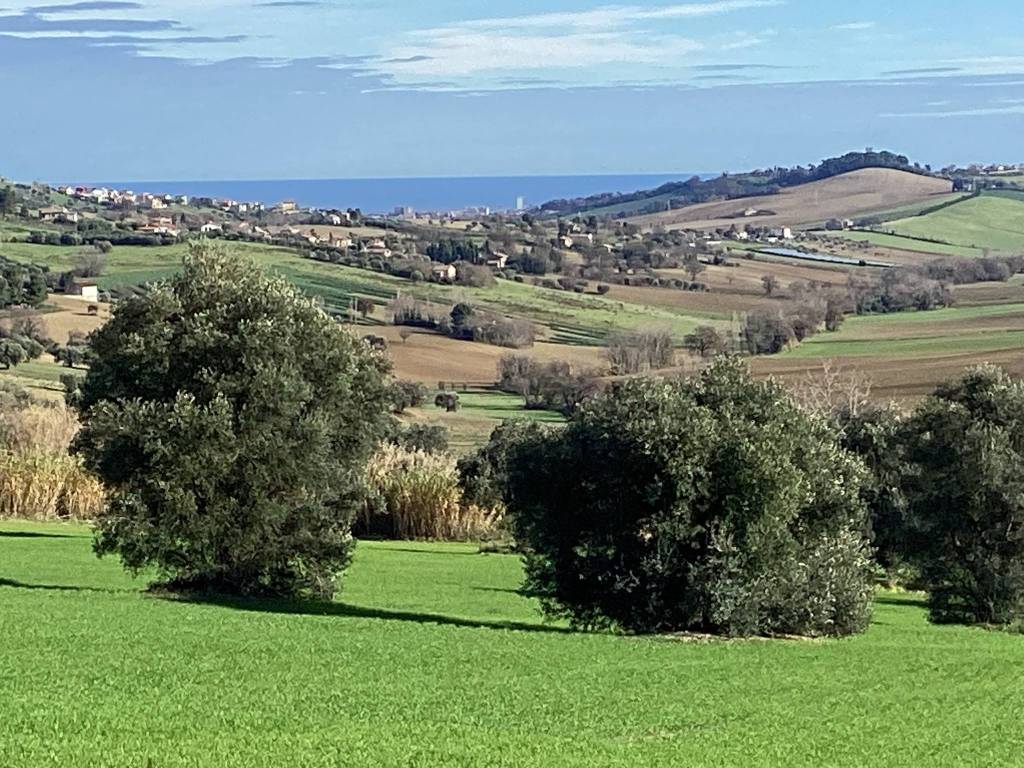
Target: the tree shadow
(61, 587)
(915, 602)
(345, 610)
(35, 535)
(412, 551)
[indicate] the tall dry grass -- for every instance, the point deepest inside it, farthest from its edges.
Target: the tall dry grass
(36, 485)
(418, 494)
(39, 480)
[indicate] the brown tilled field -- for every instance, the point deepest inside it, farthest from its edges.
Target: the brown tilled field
(430, 357)
(847, 195)
(892, 378)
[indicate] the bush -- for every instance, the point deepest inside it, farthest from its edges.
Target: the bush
(429, 438)
(966, 497)
(407, 394)
(231, 420)
(712, 505)
(416, 495)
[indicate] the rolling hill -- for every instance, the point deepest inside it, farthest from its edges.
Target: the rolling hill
(844, 196)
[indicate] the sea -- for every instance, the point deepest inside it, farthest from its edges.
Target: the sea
(434, 194)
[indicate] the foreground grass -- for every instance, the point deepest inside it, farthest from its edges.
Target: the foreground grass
(431, 658)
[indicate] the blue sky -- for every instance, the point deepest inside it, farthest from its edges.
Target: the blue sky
(217, 89)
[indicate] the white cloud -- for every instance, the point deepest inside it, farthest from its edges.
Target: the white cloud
(559, 42)
(856, 25)
(972, 112)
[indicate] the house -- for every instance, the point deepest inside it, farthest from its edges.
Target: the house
(287, 206)
(86, 290)
(742, 235)
(781, 233)
(565, 242)
(155, 203)
(56, 214)
(211, 226)
(443, 272)
(497, 260)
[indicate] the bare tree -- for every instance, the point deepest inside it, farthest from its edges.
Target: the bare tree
(833, 388)
(770, 282)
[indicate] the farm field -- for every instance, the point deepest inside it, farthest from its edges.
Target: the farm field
(989, 221)
(846, 195)
(889, 241)
(480, 411)
(431, 657)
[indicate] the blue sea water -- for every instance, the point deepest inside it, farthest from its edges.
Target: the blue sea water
(422, 194)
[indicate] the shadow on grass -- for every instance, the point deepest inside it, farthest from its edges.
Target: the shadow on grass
(35, 535)
(911, 600)
(61, 587)
(344, 610)
(412, 551)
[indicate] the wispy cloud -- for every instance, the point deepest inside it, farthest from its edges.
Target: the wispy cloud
(488, 51)
(922, 71)
(856, 25)
(1017, 109)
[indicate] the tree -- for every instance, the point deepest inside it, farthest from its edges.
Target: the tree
(769, 282)
(230, 419)
(693, 267)
(714, 505)
(364, 306)
(447, 400)
(966, 498)
(8, 201)
(11, 353)
(406, 394)
(706, 341)
(640, 351)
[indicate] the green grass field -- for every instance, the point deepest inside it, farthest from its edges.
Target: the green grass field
(979, 328)
(479, 413)
(989, 221)
(884, 240)
(568, 317)
(431, 658)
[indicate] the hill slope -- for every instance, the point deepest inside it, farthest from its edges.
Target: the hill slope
(989, 221)
(847, 195)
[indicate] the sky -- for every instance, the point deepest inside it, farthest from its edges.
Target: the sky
(290, 89)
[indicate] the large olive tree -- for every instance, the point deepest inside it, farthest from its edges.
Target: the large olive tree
(230, 419)
(966, 494)
(713, 505)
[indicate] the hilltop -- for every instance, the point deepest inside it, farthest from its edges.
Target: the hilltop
(729, 186)
(839, 197)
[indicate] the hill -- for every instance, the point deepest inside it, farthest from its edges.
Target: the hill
(844, 196)
(728, 186)
(992, 221)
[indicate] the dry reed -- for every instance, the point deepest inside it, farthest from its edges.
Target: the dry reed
(419, 493)
(39, 480)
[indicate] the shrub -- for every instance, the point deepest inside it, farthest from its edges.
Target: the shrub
(447, 400)
(416, 495)
(714, 505)
(429, 438)
(407, 394)
(231, 420)
(966, 497)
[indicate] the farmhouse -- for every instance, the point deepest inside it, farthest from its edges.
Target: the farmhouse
(55, 214)
(497, 260)
(443, 272)
(86, 290)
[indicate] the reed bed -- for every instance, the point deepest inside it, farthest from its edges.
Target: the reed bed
(416, 495)
(39, 479)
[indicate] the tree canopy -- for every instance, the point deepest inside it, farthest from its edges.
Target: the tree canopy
(230, 419)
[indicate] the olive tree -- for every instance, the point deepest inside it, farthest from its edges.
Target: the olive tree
(230, 420)
(714, 505)
(966, 495)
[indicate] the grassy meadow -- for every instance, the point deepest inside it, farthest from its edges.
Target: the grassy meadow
(431, 657)
(989, 221)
